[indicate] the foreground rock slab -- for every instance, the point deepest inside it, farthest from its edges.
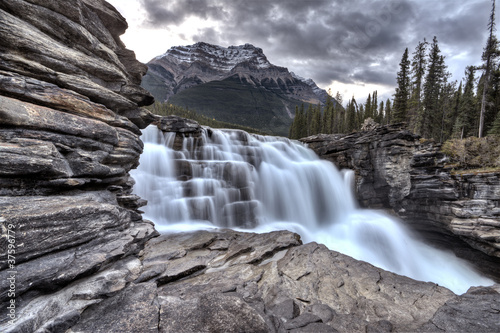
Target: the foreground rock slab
(228, 281)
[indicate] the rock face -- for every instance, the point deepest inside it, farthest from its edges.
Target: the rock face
(396, 170)
(70, 122)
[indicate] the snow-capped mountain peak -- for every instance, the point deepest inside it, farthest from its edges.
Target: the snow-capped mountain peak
(218, 57)
(317, 90)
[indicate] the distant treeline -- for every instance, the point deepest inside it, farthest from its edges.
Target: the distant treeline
(425, 98)
(334, 118)
(166, 109)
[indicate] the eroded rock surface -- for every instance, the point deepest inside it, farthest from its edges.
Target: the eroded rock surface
(228, 281)
(396, 170)
(70, 121)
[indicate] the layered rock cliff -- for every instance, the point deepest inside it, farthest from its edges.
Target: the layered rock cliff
(396, 170)
(77, 255)
(70, 122)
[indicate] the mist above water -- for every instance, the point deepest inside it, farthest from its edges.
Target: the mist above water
(231, 179)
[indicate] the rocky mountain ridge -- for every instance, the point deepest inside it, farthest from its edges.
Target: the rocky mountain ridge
(236, 84)
(184, 66)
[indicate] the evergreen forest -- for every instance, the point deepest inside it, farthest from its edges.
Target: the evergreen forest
(425, 98)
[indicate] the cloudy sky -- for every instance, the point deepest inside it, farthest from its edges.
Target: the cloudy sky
(351, 46)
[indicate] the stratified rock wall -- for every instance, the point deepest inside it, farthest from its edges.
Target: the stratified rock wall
(397, 170)
(70, 122)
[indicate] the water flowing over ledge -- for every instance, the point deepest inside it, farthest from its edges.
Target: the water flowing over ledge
(231, 179)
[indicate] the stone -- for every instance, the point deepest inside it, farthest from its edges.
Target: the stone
(134, 309)
(381, 326)
(286, 310)
(314, 327)
(210, 313)
(302, 321)
(62, 309)
(462, 312)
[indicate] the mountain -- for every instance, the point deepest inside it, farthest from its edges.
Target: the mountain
(236, 84)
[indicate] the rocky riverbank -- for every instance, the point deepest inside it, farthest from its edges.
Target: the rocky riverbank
(82, 259)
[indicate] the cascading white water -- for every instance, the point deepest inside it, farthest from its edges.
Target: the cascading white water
(228, 178)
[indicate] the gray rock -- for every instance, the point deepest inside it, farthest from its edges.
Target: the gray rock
(69, 134)
(134, 309)
(210, 313)
(314, 328)
(286, 310)
(477, 310)
(302, 321)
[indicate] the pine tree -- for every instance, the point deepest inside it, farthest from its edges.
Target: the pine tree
(464, 125)
(328, 116)
(351, 115)
(361, 113)
(490, 53)
(388, 112)
(418, 65)
(368, 108)
(457, 98)
(374, 105)
(402, 95)
(434, 81)
(338, 115)
(309, 117)
(380, 114)
(315, 127)
(495, 128)
(446, 104)
(493, 98)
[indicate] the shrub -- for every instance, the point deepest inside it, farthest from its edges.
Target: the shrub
(473, 152)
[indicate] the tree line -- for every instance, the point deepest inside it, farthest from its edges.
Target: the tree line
(334, 118)
(425, 98)
(168, 109)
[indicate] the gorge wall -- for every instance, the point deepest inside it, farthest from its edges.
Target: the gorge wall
(397, 171)
(82, 259)
(70, 122)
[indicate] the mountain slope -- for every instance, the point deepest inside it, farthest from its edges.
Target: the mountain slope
(235, 84)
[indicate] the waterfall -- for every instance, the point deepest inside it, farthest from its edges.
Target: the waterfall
(231, 179)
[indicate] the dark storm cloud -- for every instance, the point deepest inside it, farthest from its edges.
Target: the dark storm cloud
(343, 40)
(162, 13)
